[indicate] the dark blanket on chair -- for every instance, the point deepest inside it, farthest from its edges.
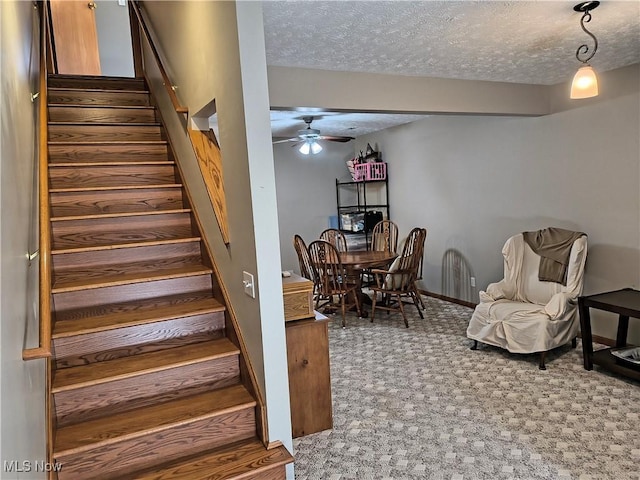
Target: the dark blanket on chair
(554, 247)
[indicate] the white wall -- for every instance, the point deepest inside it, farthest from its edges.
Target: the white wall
(114, 38)
(220, 56)
(22, 384)
(474, 181)
(356, 91)
(306, 192)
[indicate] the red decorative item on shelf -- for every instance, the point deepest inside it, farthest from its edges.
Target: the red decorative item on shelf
(370, 171)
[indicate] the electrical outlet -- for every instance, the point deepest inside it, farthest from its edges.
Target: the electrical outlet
(473, 281)
(249, 287)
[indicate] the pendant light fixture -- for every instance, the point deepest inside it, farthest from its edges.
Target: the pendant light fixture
(585, 82)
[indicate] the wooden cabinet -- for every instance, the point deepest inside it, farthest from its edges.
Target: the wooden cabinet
(309, 376)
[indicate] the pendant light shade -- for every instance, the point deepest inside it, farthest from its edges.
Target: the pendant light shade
(585, 83)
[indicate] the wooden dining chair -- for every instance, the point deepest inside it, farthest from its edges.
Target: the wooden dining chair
(399, 281)
(304, 261)
(384, 236)
(420, 267)
(336, 238)
(333, 281)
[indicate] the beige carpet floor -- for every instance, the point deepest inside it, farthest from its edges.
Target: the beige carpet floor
(417, 403)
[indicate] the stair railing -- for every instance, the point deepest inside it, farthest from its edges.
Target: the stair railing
(171, 89)
(44, 345)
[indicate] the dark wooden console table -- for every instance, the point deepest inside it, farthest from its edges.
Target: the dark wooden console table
(626, 303)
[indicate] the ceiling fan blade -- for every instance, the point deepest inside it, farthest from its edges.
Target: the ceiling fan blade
(286, 140)
(335, 138)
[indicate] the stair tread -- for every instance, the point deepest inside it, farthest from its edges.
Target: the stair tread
(94, 78)
(123, 234)
(116, 214)
(94, 90)
(113, 142)
(229, 462)
(111, 164)
(112, 275)
(119, 315)
(131, 366)
(84, 105)
(84, 436)
(106, 124)
(114, 187)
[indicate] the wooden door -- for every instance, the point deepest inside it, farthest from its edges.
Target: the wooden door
(75, 37)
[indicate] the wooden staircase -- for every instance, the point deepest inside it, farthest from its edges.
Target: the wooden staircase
(146, 382)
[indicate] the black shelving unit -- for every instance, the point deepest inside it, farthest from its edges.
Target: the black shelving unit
(356, 198)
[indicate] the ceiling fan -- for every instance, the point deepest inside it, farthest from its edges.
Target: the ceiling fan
(309, 137)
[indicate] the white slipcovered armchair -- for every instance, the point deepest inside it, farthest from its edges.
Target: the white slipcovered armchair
(522, 314)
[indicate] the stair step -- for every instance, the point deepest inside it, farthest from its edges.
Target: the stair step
(74, 96)
(136, 292)
(88, 133)
(92, 82)
(110, 164)
(136, 365)
(106, 233)
(114, 152)
(118, 187)
(68, 263)
(176, 380)
(106, 114)
(117, 201)
(106, 332)
(241, 460)
(141, 438)
(137, 272)
(117, 215)
(122, 176)
(107, 317)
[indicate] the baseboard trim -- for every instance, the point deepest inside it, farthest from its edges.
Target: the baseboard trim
(596, 338)
(457, 301)
(609, 342)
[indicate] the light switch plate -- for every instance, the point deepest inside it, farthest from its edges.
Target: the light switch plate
(249, 286)
(122, 3)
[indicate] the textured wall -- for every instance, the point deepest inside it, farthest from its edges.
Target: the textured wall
(23, 383)
(474, 181)
(213, 52)
(307, 193)
(114, 38)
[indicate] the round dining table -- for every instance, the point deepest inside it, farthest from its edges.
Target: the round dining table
(361, 259)
(356, 261)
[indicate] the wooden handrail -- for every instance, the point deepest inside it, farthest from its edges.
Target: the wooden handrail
(165, 78)
(44, 348)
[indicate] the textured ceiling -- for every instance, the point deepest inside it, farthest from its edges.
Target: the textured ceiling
(285, 124)
(518, 41)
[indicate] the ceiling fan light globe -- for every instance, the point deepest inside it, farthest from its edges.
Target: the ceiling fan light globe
(316, 148)
(585, 83)
(305, 148)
